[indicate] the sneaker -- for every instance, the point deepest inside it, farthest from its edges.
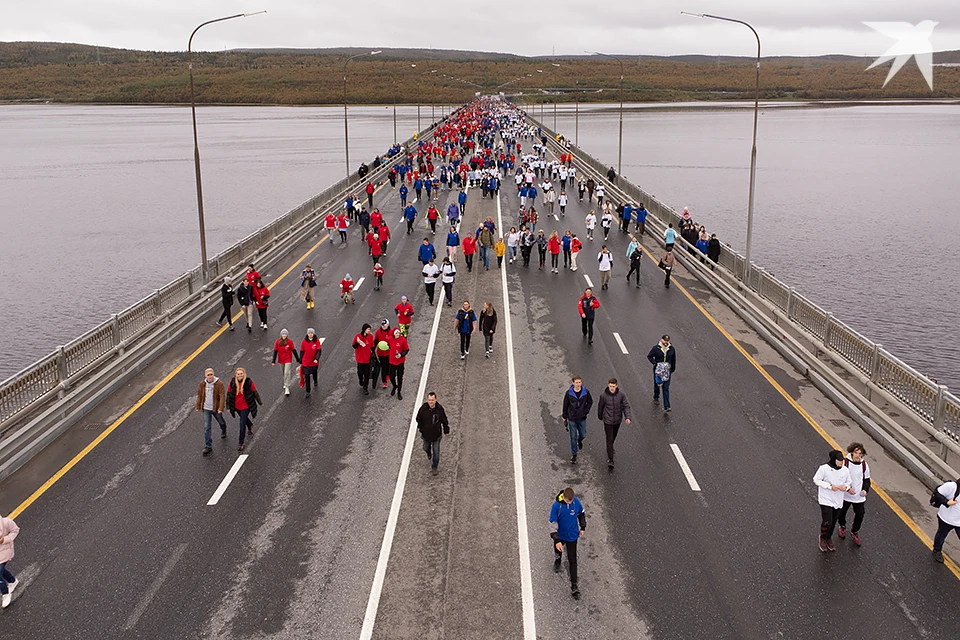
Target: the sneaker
(250, 430)
(667, 409)
(232, 327)
(6, 600)
(842, 533)
(286, 391)
(830, 546)
(856, 539)
(580, 444)
(249, 329)
(575, 592)
(207, 450)
(399, 396)
(308, 394)
(558, 565)
(223, 434)
(573, 459)
(13, 585)
(823, 544)
(938, 556)
(486, 355)
(434, 471)
(466, 353)
(240, 447)
(462, 356)
(610, 464)
(365, 392)
(384, 385)
(219, 324)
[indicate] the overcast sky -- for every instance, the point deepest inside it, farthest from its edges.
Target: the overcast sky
(525, 27)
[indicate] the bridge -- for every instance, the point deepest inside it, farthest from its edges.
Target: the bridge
(330, 524)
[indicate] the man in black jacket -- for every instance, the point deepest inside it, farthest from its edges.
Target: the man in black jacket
(432, 425)
(663, 357)
(577, 403)
(612, 409)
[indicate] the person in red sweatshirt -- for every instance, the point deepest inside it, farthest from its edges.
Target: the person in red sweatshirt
(404, 312)
(399, 348)
(378, 272)
(285, 352)
(252, 275)
(469, 248)
(346, 289)
(553, 246)
(363, 346)
(384, 234)
(330, 224)
(261, 297)
(370, 189)
(376, 248)
(376, 219)
(310, 349)
(383, 336)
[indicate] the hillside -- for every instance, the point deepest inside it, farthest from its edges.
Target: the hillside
(80, 73)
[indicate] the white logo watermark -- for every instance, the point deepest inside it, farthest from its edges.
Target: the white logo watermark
(913, 41)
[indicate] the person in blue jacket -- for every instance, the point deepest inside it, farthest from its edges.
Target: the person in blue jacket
(418, 187)
(410, 214)
(403, 195)
(532, 194)
(663, 357)
(453, 213)
(567, 513)
(453, 241)
(577, 403)
(426, 252)
(462, 200)
(625, 223)
(640, 213)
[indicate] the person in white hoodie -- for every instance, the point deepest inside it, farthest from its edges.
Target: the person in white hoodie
(8, 533)
(948, 515)
(860, 485)
(833, 480)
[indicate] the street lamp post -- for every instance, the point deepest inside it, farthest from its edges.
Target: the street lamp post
(196, 145)
(753, 150)
(620, 147)
(346, 128)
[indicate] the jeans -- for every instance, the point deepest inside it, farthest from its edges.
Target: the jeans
(468, 257)
(943, 530)
(578, 431)
(245, 422)
(208, 417)
(829, 514)
(587, 325)
(448, 291)
(571, 546)
(5, 578)
(384, 368)
(433, 450)
(858, 511)
(484, 255)
(308, 374)
(631, 272)
(513, 252)
(666, 391)
(611, 431)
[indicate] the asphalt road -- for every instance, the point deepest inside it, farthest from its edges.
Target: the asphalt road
(125, 546)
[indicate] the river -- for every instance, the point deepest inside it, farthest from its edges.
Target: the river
(852, 201)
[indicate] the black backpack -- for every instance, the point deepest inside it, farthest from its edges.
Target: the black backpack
(937, 500)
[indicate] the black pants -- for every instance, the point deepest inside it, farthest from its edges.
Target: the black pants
(525, 252)
(587, 326)
(571, 547)
(433, 226)
(363, 375)
(431, 287)
(625, 225)
(310, 372)
(396, 376)
(543, 256)
(630, 273)
(262, 312)
(448, 291)
(418, 194)
(464, 343)
(611, 431)
(566, 258)
(499, 262)
(384, 368)
(226, 314)
(943, 530)
(468, 257)
(666, 277)
(555, 260)
(370, 201)
(858, 511)
(828, 517)
(409, 227)
(488, 341)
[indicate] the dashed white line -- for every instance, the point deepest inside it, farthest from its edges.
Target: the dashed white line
(685, 468)
(155, 587)
(556, 218)
(623, 347)
(215, 498)
(589, 281)
(359, 282)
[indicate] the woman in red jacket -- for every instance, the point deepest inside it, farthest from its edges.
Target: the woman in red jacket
(243, 398)
(285, 352)
(310, 349)
(398, 356)
(384, 234)
(553, 246)
(469, 248)
(363, 345)
(384, 335)
(261, 296)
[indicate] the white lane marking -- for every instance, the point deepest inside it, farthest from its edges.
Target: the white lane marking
(215, 498)
(623, 347)
(376, 590)
(556, 218)
(359, 282)
(155, 587)
(526, 576)
(685, 468)
(589, 281)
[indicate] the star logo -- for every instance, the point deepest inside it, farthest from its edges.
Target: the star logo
(912, 41)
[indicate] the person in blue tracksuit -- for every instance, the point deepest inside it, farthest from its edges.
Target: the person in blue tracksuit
(426, 252)
(567, 513)
(462, 201)
(403, 195)
(418, 187)
(410, 214)
(577, 403)
(625, 223)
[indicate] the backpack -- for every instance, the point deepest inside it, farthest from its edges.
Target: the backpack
(662, 372)
(937, 500)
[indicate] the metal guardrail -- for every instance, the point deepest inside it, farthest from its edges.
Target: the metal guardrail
(931, 403)
(54, 375)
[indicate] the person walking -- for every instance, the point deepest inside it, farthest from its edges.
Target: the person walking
(261, 296)
(577, 402)
(469, 248)
(640, 213)
(382, 338)
(541, 249)
(486, 243)
(591, 222)
(945, 498)
(430, 273)
(713, 250)
(404, 311)
(500, 248)
(527, 240)
(636, 259)
(663, 357)
(363, 346)
(310, 349)
(575, 246)
(571, 521)
(432, 216)
(562, 201)
(832, 480)
(600, 193)
(8, 582)
(553, 246)
(226, 298)
(606, 221)
(857, 494)
(245, 299)
(670, 235)
(605, 260)
(591, 185)
(513, 242)
(342, 224)
(587, 307)
(426, 252)
(453, 241)
(410, 215)
(378, 272)
(243, 399)
(667, 262)
(612, 409)
(465, 325)
(211, 400)
(488, 326)
(308, 282)
(448, 273)
(285, 352)
(399, 348)
(432, 424)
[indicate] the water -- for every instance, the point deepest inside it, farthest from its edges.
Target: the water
(854, 204)
(99, 202)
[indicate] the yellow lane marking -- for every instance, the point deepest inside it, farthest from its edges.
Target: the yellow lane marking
(907, 520)
(139, 403)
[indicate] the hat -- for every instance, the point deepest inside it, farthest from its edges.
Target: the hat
(310, 330)
(384, 323)
(347, 277)
(228, 278)
(284, 332)
(403, 297)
